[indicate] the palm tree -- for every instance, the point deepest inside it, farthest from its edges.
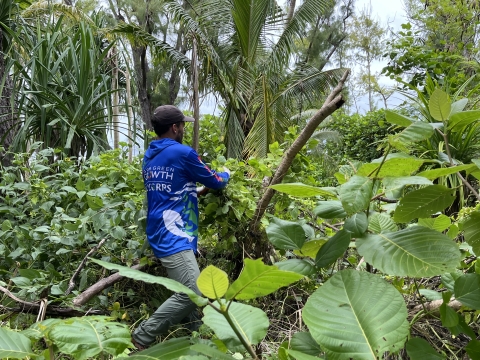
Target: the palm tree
(245, 48)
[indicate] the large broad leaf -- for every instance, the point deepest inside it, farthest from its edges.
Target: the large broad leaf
(310, 248)
(391, 168)
(302, 190)
(458, 121)
(98, 335)
(299, 266)
(420, 349)
(141, 276)
(355, 194)
(331, 209)
(168, 350)
(397, 119)
(357, 315)
(439, 223)
(473, 349)
(298, 355)
(457, 106)
(472, 232)
(379, 223)
(423, 202)
(356, 224)
(467, 290)
(436, 173)
(286, 235)
(14, 345)
(418, 131)
(250, 321)
(258, 279)
(397, 183)
(304, 342)
(439, 105)
(210, 351)
(213, 282)
(333, 248)
(415, 251)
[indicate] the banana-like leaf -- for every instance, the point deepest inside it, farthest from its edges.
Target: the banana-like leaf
(467, 290)
(14, 345)
(420, 349)
(355, 194)
(258, 279)
(98, 335)
(357, 315)
(168, 350)
(141, 276)
(302, 190)
(213, 282)
(250, 321)
(423, 202)
(415, 251)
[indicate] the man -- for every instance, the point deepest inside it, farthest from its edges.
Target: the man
(170, 172)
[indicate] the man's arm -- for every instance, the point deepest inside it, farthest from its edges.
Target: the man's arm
(199, 172)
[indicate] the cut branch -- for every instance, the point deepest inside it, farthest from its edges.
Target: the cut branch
(333, 102)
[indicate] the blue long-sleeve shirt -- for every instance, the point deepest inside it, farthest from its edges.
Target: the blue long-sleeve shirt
(170, 173)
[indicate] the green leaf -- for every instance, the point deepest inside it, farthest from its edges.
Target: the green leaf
(213, 282)
(210, 351)
(472, 232)
(448, 280)
(94, 202)
(286, 235)
(420, 349)
(439, 105)
(379, 223)
(331, 209)
(299, 266)
(171, 349)
(302, 190)
(398, 119)
(448, 316)
(439, 223)
(357, 224)
(333, 249)
(436, 173)
(397, 183)
(430, 295)
(304, 342)
(310, 248)
(357, 315)
(258, 279)
(6, 225)
(355, 194)
(118, 233)
(467, 290)
(298, 355)
(14, 345)
(418, 131)
(414, 251)
(423, 202)
(473, 349)
(462, 119)
(393, 167)
(98, 335)
(141, 276)
(40, 168)
(457, 106)
(250, 321)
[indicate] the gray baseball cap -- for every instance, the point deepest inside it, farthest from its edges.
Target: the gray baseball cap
(169, 114)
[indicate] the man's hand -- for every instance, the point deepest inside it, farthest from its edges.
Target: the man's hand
(202, 190)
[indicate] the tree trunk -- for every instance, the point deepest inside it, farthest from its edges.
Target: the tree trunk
(141, 70)
(7, 109)
(196, 106)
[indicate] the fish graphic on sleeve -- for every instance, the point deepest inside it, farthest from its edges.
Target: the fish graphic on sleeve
(174, 223)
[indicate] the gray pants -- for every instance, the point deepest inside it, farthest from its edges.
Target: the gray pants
(178, 308)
